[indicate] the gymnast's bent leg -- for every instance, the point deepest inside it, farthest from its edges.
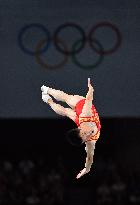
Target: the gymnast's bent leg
(59, 109)
(59, 95)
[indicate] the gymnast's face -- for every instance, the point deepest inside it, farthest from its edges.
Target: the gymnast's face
(87, 129)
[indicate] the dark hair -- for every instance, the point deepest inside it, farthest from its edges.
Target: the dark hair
(73, 137)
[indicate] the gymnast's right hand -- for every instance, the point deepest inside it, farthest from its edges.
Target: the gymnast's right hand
(89, 85)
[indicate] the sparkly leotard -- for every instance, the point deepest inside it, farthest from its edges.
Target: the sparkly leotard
(93, 118)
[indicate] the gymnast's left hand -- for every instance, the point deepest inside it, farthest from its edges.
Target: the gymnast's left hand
(82, 172)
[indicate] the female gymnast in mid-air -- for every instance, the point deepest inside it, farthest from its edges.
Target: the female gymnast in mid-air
(83, 113)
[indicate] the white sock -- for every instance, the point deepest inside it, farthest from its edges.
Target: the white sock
(45, 98)
(44, 89)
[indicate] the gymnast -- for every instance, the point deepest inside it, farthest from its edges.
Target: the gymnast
(83, 113)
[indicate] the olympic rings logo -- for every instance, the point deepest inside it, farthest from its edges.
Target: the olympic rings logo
(61, 46)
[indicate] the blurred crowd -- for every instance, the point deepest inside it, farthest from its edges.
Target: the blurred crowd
(116, 184)
(37, 182)
(31, 182)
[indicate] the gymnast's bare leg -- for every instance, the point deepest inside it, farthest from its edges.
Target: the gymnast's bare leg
(59, 95)
(71, 100)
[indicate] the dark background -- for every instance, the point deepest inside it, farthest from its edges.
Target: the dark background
(116, 78)
(37, 164)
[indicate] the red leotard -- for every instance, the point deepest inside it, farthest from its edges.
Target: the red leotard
(93, 118)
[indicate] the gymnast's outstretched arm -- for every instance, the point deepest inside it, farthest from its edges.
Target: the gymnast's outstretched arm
(90, 146)
(87, 108)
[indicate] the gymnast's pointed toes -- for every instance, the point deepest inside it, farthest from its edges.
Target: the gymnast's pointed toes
(45, 98)
(44, 89)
